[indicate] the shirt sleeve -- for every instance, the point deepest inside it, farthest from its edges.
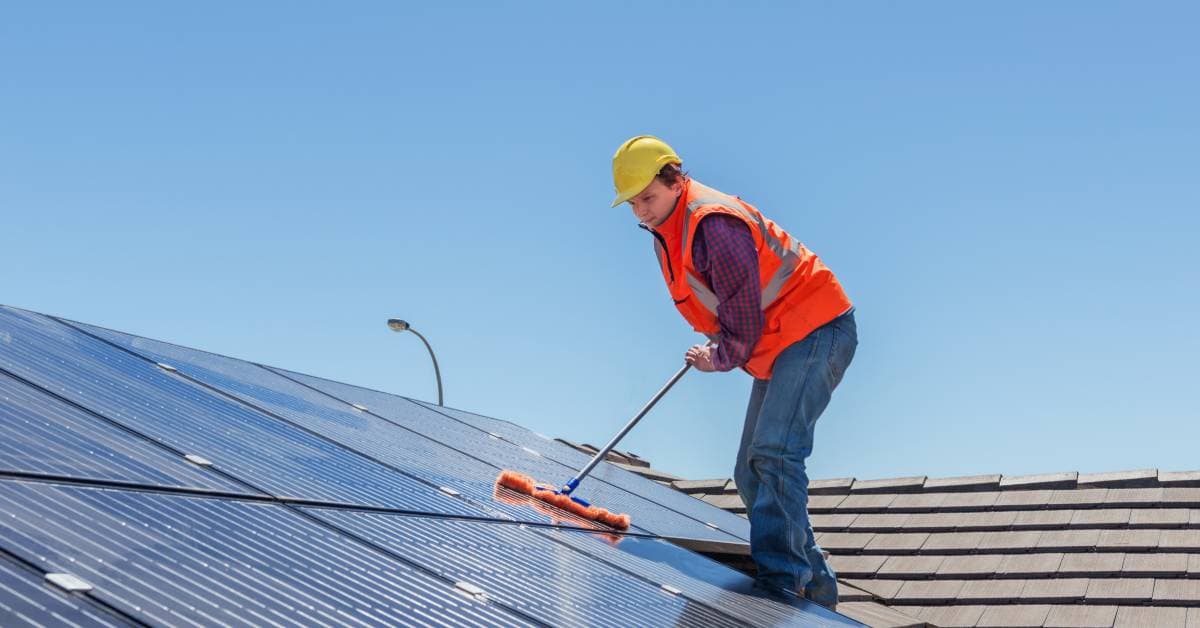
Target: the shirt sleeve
(723, 253)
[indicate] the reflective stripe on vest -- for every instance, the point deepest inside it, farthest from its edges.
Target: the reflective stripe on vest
(789, 257)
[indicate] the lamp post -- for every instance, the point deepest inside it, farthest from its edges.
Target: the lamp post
(400, 326)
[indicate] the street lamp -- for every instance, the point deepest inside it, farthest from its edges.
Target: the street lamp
(398, 325)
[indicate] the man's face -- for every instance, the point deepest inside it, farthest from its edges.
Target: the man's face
(653, 204)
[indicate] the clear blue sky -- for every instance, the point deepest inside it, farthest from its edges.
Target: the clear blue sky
(1010, 194)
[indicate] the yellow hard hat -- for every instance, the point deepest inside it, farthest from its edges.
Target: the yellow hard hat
(637, 162)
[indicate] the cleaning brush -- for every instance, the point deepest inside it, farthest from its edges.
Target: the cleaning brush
(561, 497)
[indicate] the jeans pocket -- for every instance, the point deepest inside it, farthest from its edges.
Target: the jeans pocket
(841, 352)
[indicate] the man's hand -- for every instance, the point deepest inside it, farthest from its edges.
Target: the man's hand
(700, 356)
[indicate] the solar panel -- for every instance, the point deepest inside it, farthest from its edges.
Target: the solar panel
(566, 577)
(185, 487)
(413, 439)
(169, 559)
(264, 453)
(606, 474)
(46, 435)
(677, 515)
(27, 600)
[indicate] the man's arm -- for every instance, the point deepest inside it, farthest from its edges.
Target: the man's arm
(724, 254)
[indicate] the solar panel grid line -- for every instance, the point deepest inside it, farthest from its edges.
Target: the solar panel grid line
(542, 466)
(255, 448)
(272, 538)
(375, 451)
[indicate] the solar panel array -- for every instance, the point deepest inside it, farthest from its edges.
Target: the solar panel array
(147, 483)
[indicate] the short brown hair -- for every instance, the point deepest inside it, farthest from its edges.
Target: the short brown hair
(670, 174)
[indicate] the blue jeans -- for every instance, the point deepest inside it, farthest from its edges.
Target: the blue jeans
(770, 473)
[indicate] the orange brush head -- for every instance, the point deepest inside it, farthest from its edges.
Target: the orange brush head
(518, 482)
(522, 483)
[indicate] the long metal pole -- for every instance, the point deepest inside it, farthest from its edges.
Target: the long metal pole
(600, 455)
(436, 370)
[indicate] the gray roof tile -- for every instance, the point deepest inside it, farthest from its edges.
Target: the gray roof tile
(889, 485)
(952, 616)
(1194, 565)
(1023, 499)
(1068, 540)
(1150, 617)
(857, 566)
(1179, 540)
(970, 501)
(844, 541)
(847, 593)
(1155, 565)
(1179, 478)
(1159, 517)
(836, 486)
(878, 615)
(1181, 497)
(991, 520)
(1042, 519)
(883, 589)
(1009, 541)
(1100, 518)
(1043, 480)
(910, 566)
(932, 521)
(832, 522)
(1056, 590)
(953, 542)
(917, 502)
(1135, 496)
(991, 590)
(865, 503)
(880, 522)
(1007, 616)
(1128, 540)
(930, 590)
(1177, 591)
(963, 483)
(1077, 498)
(1193, 618)
(960, 521)
(728, 502)
(1120, 590)
(971, 566)
(1091, 564)
(818, 503)
(701, 486)
(1081, 617)
(1121, 479)
(903, 543)
(1028, 565)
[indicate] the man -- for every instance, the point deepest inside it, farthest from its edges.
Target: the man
(774, 310)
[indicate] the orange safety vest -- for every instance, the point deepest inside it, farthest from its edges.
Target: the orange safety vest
(799, 293)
